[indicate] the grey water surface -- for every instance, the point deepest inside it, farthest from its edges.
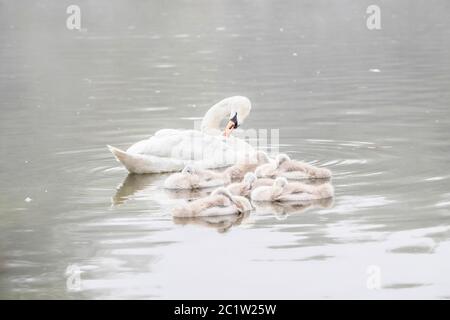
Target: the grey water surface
(372, 106)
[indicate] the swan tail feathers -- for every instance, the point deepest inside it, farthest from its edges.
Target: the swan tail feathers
(142, 163)
(134, 163)
(118, 154)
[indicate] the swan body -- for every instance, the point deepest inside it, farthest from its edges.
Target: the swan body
(247, 184)
(282, 190)
(284, 166)
(194, 178)
(219, 203)
(171, 150)
(238, 170)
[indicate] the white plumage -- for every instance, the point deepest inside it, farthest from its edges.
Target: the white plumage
(171, 150)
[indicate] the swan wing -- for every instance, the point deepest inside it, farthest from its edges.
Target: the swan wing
(192, 145)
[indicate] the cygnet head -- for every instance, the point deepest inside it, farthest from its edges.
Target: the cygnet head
(280, 182)
(249, 178)
(222, 191)
(260, 171)
(243, 204)
(282, 157)
(188, 169)
(262, 157)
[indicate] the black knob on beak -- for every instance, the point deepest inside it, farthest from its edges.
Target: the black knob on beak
(235, 121)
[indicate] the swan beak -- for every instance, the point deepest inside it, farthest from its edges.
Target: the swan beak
(229, 128)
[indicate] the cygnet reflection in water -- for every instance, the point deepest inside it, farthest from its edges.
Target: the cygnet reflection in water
(281, 210)
(221, 223)
(137, 183)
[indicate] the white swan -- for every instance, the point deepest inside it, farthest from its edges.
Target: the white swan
(247, 184)
(238, 170)
(282, 190)
(195, 178)
(291, 169)
(219, 203)
(171, 150)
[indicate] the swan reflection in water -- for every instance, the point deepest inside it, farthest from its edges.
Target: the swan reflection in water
(139, 183)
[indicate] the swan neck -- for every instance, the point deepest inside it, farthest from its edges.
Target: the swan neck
(214, 116)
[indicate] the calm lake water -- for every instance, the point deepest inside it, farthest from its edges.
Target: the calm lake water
(373, 106)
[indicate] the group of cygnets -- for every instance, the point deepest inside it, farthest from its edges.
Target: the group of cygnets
(265, 180)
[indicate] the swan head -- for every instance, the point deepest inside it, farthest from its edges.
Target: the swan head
(261, 171)
(249, 178)
(239, 110)
(282, 157)
(188, 169)
(280, 182)
(233, 109)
